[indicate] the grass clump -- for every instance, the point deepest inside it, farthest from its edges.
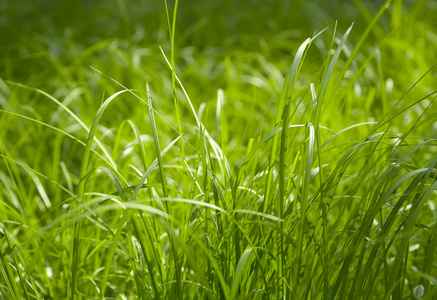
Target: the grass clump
(272, 164)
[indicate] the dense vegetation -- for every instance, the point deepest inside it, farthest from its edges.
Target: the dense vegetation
(218, 149)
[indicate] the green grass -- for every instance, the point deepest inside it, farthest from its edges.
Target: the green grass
(218, 150)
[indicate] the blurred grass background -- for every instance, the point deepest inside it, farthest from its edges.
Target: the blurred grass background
(241, 47)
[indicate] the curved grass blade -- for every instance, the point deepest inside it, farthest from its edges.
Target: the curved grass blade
(81, 190)
(239, 272)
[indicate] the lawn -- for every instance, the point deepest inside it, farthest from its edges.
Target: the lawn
(218, 149)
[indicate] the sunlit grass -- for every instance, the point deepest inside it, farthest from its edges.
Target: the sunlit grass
(300, 168)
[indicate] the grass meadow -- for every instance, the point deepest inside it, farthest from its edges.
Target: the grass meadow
(218, 149)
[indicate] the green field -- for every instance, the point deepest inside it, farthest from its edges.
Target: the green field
(235, 149)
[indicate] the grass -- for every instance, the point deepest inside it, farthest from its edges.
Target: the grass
(201, 151)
